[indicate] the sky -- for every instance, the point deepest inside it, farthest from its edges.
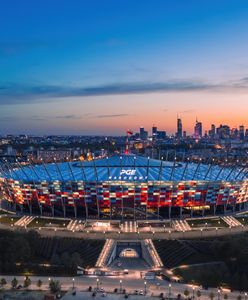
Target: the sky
(102, 66)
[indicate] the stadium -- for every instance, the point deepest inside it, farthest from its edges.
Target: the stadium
(124, 187)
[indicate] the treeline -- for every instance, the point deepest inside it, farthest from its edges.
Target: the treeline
(232, 272)
(22, 252)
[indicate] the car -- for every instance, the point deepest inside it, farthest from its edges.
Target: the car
(141, 292)
(104, 294)
(136, 292)
(101, 290)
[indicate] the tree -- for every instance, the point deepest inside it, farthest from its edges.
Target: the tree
(198, 293)
(54, 286)
(211, 295)
(186, 292)
(27, 282)
(14, 283)
(3, 282)
(39, 283)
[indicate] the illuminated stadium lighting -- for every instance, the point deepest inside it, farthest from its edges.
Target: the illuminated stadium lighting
(121, 185)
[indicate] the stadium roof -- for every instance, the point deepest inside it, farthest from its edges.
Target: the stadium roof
(126, 167)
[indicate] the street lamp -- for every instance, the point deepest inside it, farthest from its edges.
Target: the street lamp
(97, 283)
(145, 287)
(218, 294)
(169, 289)
(73, 283)
(245, 296)
(193, 292)
(201, 232)
(120, 285)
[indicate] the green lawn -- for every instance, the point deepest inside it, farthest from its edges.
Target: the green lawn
(214, 222)
(8, 219)
(243, 220)
(44, 222)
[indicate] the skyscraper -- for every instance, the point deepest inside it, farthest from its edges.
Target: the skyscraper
(143, 134)
(198, 130)
(241, 132)
(154, 132)
(179, 133)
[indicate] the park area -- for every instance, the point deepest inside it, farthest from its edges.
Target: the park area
(48, 222)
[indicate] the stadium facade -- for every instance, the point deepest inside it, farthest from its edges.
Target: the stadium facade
(124, 186)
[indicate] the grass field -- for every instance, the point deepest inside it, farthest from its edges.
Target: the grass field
(8, 219)
(243, 220)
(44, 222)
(214, 222)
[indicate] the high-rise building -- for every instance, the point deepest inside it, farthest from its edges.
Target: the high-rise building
(143, 134)
(179, 133)
(212, 131)
(154, 132)
(198, 130)
(241, 132)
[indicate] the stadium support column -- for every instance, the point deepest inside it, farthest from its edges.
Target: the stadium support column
(214, 209)
(169, 211)
(52, 208)
(203, 212)
(40, 207)
(64, 209)
(158, 207)
(75, 210)
(191, 212)
(181, 212)
(30, 208)
(224, 208)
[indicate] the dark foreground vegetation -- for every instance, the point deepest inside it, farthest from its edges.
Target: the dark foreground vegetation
(222, 261)
(29, 253)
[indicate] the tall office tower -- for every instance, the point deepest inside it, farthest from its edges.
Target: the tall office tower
(234, 133)
(143, 134)
(179, 133)
(154, 132)
(198, 130)
(241, 132)
(212, 131)
(223, 132)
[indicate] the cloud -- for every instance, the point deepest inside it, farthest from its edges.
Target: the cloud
(112, 116)
(14, 94)
(69, 117)
(188, 111)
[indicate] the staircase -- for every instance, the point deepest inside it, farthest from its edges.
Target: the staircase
(181, 225)
(105, 254)
(156, 261)
(24, 221)
(231, 221)
(75, 225)
(130, 226)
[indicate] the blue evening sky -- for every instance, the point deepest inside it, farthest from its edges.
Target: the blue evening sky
(91, 57)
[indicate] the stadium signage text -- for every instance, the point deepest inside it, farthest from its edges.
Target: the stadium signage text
(128, 172)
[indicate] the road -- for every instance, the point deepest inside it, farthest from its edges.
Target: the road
(129, 282)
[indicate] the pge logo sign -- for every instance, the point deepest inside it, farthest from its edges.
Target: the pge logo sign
(128, 172)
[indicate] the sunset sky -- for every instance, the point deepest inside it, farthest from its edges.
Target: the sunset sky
(101, 66)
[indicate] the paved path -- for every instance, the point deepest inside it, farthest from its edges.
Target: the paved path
(129, 282)
(137, 236)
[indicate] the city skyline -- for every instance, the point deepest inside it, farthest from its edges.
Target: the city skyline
(69, 70)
